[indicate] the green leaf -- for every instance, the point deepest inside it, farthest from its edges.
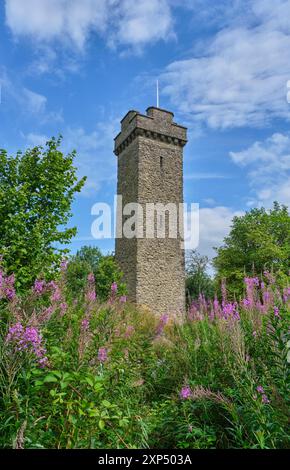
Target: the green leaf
(50, 378)
(101, 424)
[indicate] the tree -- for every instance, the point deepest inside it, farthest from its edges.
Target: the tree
(37, 188)
(198, 281)
(258, 241)
(104, 267)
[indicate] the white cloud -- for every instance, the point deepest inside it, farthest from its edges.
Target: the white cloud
(214, 225)
(35, 139)
(239, 78)
(211, 224)
(142, 22)
(69, 20)
(268, 165)
(124, 22)
(34, 102)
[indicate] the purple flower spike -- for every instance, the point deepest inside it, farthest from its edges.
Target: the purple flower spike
(185, 393)
(102, 355)
(114, 288)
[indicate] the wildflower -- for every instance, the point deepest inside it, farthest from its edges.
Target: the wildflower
(64, 264)
(123, 299)
(194, 312)
(114, 288)
(91, 295)
(265, 399)
(254, 334)
(46, 314)
(162, 322)
(185, 393)
(85, 324)
(230, 311)
(91, 278)
(10, 280)
(1, 281)
(269, 277)
(15, 332)
(276, 312)
(28, 339)
(102, 355)
(39, 286)
(56, 296)
(286, 294)
(246, 303)
(10, 293)
(260, 389)
(63, 308)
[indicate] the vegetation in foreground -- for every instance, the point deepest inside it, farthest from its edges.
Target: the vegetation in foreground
(82, 368)
(76, 373)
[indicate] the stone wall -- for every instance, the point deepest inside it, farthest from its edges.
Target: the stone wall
(150, 170)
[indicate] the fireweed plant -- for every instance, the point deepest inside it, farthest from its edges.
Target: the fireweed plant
(78, 373)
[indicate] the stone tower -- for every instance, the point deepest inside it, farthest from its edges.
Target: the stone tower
(150, 170)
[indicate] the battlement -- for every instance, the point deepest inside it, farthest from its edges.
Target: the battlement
(157, 124)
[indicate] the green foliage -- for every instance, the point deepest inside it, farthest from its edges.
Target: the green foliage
(107, 273)
(36, 192)
(234, 365)
(258, 240)
(198, 280)
(104, 267)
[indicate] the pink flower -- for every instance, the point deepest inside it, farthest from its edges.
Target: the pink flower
(56, 296)
(114, 288)
(39, 286)
(64, 264)
(46, 314)
(276, 312)
(260, 389)
(91, 278)
(63, 308)
(9, 292)
(185, 393)
(102, 355)
(123, 299)
(162, 322)
(91, 295)
(246, 303)
(85, 324)
(28, 339)
(265, 399)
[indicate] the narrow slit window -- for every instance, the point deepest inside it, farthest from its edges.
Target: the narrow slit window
(161, 163)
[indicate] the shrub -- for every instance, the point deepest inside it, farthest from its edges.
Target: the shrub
(83, 373)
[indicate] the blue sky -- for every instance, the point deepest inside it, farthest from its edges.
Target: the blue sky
(76, 67)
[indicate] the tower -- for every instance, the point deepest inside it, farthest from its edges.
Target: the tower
(150, 171)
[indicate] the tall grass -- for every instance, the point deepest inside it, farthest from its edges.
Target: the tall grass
(76, 373)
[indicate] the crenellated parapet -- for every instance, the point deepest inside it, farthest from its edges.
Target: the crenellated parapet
(156, 125)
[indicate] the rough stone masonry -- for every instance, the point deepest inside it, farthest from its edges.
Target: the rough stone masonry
(150, 170)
